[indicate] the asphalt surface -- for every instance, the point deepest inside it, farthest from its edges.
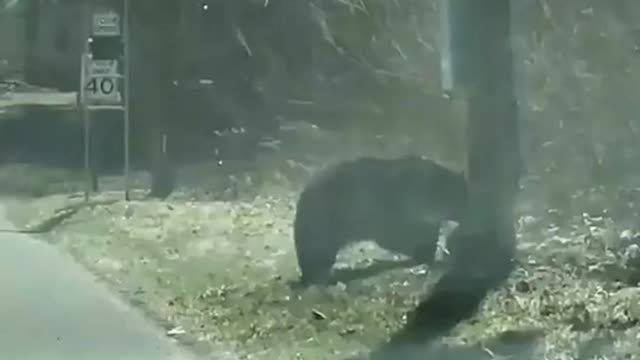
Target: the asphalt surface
(51, 308)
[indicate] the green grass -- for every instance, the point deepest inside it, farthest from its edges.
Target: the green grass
(220, 271)
(218, 267)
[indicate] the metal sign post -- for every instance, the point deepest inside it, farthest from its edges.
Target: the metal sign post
(127, 133)
(83, 104)
(104, 64)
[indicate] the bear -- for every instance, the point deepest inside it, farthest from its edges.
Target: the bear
(399, 203)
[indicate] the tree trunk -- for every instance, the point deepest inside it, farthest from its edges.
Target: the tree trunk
(32, 19)
(156, 22)
(483, 246)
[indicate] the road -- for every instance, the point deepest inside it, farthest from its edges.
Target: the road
(51, 308)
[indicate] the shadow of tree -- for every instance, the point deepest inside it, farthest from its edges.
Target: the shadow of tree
(377, 267)
(519, 345)
(350, 274)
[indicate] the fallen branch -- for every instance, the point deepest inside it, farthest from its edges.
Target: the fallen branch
(59, 216)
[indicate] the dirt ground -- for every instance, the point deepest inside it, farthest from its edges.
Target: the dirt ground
(219, 272)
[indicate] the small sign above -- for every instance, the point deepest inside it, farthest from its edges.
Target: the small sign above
(106, 24)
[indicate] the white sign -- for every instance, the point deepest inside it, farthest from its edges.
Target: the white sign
(106, 24)
(101, 83)
(446, 52)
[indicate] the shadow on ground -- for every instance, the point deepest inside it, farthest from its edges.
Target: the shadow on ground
(348, 275)
(519, 345)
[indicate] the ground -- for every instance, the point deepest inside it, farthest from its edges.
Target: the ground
(216, 271)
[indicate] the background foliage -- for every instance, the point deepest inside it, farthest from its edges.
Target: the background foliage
(577, 69)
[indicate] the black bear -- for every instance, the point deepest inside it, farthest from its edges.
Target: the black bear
(398, 203)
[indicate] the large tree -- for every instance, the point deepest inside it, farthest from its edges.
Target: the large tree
(154, 25)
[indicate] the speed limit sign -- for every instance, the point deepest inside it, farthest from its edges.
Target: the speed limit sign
(101, 84)
(104, 82)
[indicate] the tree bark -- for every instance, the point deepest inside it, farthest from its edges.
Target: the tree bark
(156, 22)
(483, 246)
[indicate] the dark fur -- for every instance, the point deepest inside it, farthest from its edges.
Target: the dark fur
(399, 203)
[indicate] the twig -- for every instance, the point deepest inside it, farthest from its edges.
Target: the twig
(59, 216)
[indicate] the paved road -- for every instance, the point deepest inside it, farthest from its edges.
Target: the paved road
(52, 309)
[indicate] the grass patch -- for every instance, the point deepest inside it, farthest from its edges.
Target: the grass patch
(216, 272)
